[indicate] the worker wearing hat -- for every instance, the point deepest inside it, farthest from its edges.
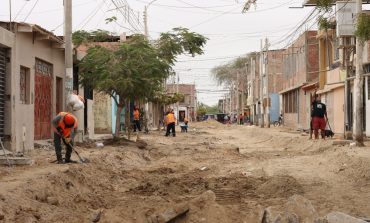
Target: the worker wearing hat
(64, 126)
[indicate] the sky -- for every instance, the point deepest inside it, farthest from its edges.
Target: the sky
(230, 33)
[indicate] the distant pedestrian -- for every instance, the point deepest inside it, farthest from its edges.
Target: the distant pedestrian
(184, 125)
(241, 119)
(319, 117)
(170, 122)
(136, 119)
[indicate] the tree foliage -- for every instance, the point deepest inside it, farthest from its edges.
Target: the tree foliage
(363, 27)
(84, 37)
(205, 109)
(227, 73)
(136, 69)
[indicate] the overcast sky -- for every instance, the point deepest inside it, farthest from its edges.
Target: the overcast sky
(230, 32)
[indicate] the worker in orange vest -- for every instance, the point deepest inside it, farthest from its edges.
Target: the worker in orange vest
(136, 119)
(64, 126)
(170, 122)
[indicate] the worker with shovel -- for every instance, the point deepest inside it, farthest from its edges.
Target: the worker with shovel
(64, 126)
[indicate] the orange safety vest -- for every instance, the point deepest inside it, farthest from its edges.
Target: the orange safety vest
(61, 124)
(136, 115)
(170, 118)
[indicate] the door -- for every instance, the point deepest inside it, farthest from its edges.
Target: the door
(43, 99)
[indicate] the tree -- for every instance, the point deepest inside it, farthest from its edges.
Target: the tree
(136, 69)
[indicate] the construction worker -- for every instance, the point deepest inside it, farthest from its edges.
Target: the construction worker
(136, 119)
(170, 122)
(64, 126)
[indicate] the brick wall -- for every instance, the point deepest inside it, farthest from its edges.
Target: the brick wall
(275, 62)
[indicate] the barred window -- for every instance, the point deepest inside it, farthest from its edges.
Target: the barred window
(24, 84)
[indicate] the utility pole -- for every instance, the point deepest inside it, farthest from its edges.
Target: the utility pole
(262, 122)
(177, 91)
(68, 47)
(237, 98)
(267, 85)
(358, 87)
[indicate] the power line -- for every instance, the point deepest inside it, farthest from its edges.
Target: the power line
(29, 13)
(20, 10)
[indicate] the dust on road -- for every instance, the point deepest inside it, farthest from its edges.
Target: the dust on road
(247, 169)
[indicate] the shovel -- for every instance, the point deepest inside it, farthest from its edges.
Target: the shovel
(83, 160)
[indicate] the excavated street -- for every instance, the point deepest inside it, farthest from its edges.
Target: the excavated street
(217, 173)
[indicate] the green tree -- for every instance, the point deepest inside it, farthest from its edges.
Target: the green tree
(136, 69)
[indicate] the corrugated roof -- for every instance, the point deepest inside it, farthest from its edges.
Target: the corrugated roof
(330, 87)
(290, 89)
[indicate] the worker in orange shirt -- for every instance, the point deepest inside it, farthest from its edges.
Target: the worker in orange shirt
(170, 122)
(136, 119)
(64, 126)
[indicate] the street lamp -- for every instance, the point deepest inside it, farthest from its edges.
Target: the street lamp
(146, 17)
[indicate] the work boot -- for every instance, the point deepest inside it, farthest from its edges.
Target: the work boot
(70, 161)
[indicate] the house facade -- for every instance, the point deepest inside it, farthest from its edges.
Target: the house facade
(187, 107)
(300, 68)
(32, 78)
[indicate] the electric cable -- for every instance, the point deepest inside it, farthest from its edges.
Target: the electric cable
(29, 13)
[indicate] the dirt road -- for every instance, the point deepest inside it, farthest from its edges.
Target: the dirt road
(247, 168)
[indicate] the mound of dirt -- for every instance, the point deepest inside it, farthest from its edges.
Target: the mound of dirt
(280, 186)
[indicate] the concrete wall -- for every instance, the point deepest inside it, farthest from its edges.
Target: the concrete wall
(102, 113)
(27, 50)
(290, 120)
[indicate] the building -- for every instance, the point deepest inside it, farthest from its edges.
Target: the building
(272, 66)
(32, 78)
(253, 88)
(188, 106)
(300, 68)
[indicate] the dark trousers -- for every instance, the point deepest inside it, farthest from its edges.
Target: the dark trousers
(171, 127)
(137, 125)
(58, 148)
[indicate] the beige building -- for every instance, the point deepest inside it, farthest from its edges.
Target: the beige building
(31, 83)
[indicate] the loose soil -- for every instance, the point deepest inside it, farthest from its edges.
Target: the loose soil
(246, 167)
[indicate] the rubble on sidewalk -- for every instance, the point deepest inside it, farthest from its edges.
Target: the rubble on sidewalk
(298, 209)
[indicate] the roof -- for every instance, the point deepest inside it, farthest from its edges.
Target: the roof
(313, 2)
(28, 27)
(310, 86)
(330, 87)
(291, 88)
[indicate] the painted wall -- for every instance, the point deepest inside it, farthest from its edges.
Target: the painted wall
(102, 113)
(337, 123)
(275, 107)
(20, 117)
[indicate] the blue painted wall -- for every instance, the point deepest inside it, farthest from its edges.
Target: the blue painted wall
(114, 111)
(275, 107)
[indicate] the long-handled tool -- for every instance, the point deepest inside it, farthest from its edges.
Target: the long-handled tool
(82, 159)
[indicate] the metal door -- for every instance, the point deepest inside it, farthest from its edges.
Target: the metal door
(43, 99)
(2, 89)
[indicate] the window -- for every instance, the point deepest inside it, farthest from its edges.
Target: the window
(290, 102)
(24, 84)
(43, 67)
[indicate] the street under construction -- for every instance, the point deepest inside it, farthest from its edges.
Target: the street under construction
(215, 173)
